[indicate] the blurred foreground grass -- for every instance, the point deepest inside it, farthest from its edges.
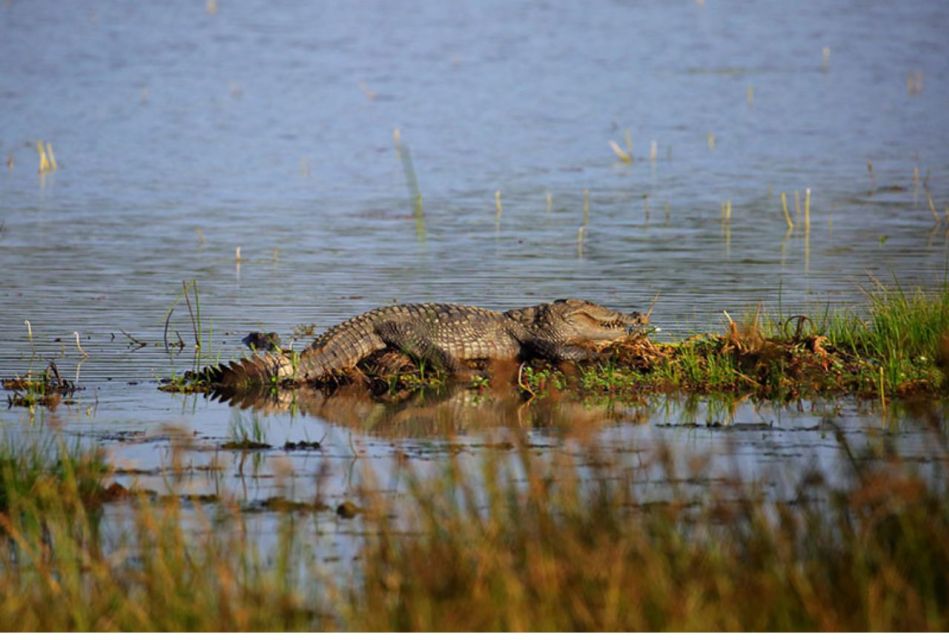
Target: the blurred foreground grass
(561, 542)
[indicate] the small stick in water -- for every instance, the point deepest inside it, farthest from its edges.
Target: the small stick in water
(620, 153)
(807, 209)
(932, 206)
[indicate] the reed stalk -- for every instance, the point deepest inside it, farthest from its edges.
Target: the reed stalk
(807, 210)
(784, 209)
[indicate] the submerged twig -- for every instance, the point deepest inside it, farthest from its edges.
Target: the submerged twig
(194, 324)
(165, 333)
(133, 340)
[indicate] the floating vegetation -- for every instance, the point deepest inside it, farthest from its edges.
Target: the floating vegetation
(188, 382)
(244, 445)
(307, 330)
(259, 341)
(302, 445)
(244, 436)
(46, 389)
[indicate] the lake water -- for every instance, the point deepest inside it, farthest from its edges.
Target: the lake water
(184, 130)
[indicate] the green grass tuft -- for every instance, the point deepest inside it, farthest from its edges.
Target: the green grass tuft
(903, 333)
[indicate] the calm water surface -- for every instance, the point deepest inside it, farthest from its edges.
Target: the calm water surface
(183, 134)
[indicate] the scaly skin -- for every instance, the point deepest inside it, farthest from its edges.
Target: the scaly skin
(446, 336)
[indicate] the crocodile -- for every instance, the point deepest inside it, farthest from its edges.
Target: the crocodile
(448, 337)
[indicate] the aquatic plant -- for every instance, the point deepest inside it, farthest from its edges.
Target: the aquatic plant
(202, 340)
(244, 436)
(906, 335)
(47, 388)
(47, 159)
(622, 154)
(784, 210)
(411, 181)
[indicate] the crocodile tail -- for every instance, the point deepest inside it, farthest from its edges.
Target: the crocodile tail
(259, 370)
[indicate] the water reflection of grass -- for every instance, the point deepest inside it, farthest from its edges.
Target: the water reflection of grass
(521, 543)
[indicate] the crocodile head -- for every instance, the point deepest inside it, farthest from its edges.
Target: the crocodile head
(584, 321)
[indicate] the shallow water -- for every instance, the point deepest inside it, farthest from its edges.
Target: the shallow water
(182, 135)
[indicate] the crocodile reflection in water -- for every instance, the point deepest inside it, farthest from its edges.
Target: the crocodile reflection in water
(452, 409)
